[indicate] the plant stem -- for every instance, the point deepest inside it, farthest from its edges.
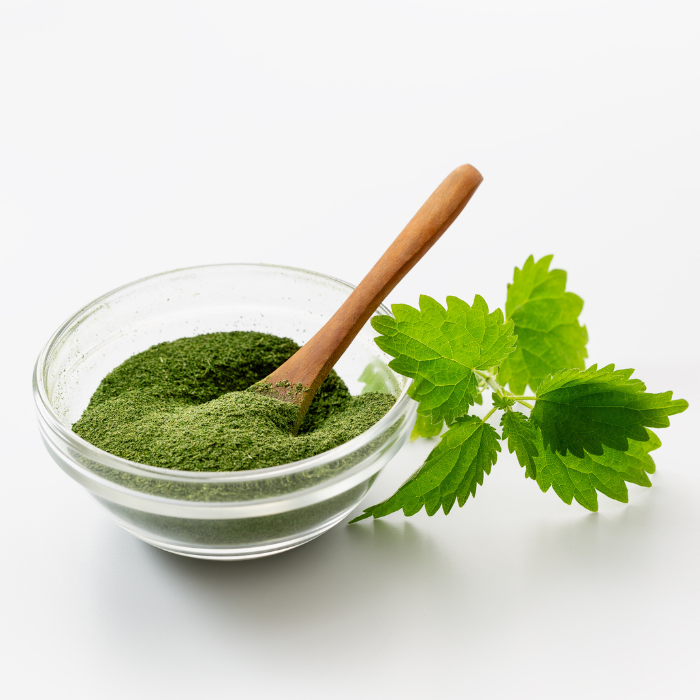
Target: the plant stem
(489, 414)
(487, 379)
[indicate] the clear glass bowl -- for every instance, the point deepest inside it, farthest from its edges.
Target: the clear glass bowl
(214, 515)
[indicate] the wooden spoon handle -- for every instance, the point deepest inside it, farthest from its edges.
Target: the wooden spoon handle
(310, 365)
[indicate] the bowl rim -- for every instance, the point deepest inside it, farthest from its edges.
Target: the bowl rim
(48, 414)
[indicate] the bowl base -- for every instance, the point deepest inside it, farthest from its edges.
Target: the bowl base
(236, 552)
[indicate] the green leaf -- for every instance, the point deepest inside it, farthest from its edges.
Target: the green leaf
(581, 478)
(377, 376)
(522, 438)
(441, 348)
(550, 337)
(451, 473)
(588, 410)
(501, 402)
(424, 427)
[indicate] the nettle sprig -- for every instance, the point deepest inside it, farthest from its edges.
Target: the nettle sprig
(587, 431)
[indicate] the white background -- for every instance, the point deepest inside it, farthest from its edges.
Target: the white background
(137, 137)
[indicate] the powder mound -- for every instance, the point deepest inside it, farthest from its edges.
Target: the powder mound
(183, 405)
(204, 367)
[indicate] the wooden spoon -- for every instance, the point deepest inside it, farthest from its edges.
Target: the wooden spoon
(298, 379)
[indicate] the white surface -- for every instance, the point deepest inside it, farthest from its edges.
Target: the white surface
(137, 137)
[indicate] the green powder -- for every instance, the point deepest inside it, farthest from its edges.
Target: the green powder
(184, 405)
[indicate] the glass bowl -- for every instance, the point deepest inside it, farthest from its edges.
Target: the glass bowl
(214, 515)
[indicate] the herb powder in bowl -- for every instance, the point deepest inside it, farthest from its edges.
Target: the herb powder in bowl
(141, 398)
(184, 405)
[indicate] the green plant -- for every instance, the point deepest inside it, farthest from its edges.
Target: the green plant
(588, 430)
